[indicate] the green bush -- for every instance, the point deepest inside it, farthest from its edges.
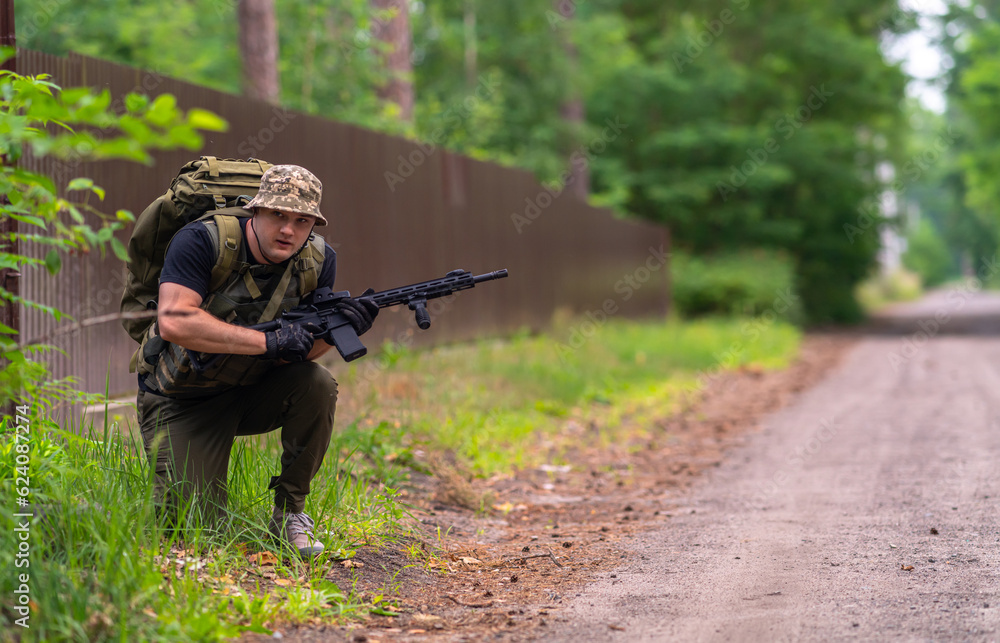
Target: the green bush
(886, 288)
(927, 255)
(738, 284)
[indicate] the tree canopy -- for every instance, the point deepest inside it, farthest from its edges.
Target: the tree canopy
(735, 123)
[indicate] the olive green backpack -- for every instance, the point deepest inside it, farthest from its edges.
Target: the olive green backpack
(204, 187)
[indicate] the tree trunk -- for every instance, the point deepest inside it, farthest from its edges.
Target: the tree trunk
(393, 28)
(572, 109)
(259, 49)
(579, 182)
(471, 50)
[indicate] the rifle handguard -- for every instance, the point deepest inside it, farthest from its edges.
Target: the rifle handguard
(339, 332)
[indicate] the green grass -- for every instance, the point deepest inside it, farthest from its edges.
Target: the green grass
(494, 403)
(101, 569)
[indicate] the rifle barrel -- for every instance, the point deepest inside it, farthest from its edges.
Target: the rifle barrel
(490, 276)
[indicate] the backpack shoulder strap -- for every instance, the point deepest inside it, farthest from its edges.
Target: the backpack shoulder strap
(310, 263)
(306, 267)
(230, 237)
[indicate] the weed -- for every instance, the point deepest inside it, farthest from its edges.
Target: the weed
(102, 567)
(499, 405)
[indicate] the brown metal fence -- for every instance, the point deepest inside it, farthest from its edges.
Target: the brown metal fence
(439, 212)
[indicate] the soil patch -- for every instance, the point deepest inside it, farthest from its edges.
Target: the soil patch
(554, 529)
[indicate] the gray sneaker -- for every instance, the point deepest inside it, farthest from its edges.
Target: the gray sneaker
(295, 529)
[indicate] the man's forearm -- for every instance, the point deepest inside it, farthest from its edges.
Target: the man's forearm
(319, 349)
(198, 330)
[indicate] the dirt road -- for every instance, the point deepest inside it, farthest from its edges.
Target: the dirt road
(868, 509)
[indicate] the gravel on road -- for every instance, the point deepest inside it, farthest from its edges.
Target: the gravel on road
(866, 510)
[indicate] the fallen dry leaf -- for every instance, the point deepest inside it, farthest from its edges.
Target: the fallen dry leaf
(906, 568)
(426, 618)
(284, 582)
(263, 558)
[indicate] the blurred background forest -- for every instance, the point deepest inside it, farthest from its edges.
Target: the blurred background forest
(771, 136)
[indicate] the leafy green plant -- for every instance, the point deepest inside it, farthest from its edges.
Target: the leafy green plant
(928, 255)
(40, 118)
(91, 574)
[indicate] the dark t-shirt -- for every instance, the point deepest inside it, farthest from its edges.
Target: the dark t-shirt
(190, 258)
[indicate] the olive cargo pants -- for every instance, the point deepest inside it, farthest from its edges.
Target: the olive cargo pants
(191, 439)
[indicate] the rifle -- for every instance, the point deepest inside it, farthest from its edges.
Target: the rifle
(337, 330)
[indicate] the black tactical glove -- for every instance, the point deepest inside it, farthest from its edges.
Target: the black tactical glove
(290, 341)
(361, 312)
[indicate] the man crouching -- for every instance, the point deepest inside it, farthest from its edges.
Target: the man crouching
(192, 408)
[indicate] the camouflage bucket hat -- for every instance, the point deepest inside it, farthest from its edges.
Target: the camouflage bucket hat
(290, 188)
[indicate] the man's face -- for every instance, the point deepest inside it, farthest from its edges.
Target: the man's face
(281, 234)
